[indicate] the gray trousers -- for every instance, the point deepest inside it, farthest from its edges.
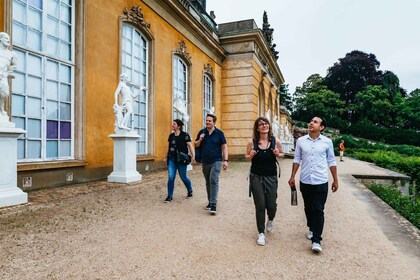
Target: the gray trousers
(211, 174)
(264, 191)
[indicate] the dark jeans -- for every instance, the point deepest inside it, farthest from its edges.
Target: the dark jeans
(264, 191)
(314, 198)
(182, 170)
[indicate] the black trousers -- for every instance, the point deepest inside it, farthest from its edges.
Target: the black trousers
(314, 198)
(264, 191)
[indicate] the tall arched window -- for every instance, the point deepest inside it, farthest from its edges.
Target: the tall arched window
(43, 89)
(261, 100)
(180, 88)
(134, 62)
(207, 96)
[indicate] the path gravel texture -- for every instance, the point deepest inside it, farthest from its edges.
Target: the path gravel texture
(112, 231)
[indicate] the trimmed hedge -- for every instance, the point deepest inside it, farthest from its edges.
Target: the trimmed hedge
(367, 129)
(394, 161)
(404, 205)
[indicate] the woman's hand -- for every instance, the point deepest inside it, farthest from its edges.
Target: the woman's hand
(252, 153)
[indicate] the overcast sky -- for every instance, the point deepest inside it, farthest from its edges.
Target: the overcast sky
(311, 35)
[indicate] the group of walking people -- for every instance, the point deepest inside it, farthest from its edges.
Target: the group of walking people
(313, 153)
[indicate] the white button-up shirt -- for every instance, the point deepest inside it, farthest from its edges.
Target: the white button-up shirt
(315, 156)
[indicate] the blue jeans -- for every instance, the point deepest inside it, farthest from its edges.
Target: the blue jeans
(314, 198)
(182, 170)
(211, 174)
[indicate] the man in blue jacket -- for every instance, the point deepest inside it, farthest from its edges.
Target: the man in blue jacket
(214, 157)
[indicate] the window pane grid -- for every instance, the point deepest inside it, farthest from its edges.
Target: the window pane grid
(48, 29)
(207, 96)
(133, 61)
(42, 92)
(180, 87)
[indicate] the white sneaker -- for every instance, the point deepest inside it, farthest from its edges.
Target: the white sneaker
(309, 235)
(270, 225)
(316, 247)
(261, 239)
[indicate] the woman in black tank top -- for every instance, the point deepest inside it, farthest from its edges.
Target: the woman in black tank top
(263, 150)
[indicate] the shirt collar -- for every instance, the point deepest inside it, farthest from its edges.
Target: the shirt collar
(319, 137)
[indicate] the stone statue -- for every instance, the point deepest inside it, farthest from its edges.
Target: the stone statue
(180, 107)
(8, 61)
(210, 111)
(276, 126)
(282, 139)
(124, 111)
(287, 134)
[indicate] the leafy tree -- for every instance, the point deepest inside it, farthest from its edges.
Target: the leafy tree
(373, 103)
(325, 103)
(286, 98)
(352, 74)
(313, 83)
(391, 82)
(411, 110)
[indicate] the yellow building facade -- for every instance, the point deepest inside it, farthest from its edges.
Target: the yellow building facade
(71, 54)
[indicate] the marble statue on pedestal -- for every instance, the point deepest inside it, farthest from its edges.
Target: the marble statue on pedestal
(180, 107)
(8, 61)
(124, 111)
(10, 194)
(282, 138)
(276, 126)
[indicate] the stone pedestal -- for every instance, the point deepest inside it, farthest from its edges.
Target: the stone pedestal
(125, 163)
(10, 194)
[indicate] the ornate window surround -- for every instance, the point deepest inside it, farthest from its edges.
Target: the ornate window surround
(134, 16)
(181, 53)
(209, 72)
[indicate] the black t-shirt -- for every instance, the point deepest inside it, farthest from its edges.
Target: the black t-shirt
(264, 162)
(178, 143)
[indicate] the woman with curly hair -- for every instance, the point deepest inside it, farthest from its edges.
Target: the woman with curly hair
(263, 150)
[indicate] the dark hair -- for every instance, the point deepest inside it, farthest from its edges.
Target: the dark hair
(179, 123)
(256, 134)
(213, 116)
(323, 122)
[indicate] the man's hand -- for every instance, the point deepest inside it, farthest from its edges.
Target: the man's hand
(225, 165)
(334, 186)
(202, 136)
(292, 182)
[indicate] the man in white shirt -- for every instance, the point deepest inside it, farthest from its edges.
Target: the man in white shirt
(315, 153)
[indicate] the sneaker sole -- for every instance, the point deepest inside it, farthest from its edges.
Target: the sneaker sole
(213, 212)
(261, 244)
(317, 250)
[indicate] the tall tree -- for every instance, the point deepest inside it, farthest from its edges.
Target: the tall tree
(313, 83)
(325, 103)
(391, 83)
(286, 98)
(353, 73)
(411, 110)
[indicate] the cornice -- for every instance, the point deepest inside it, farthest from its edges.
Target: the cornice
(174, 13)
(261, 50)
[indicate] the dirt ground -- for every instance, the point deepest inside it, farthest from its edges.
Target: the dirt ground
(114, 231)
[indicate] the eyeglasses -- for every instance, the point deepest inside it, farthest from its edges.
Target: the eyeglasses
(261, 124)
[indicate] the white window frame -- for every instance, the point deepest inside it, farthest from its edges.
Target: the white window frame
(143, 140)
(207, 96)
(45, 56)
(177, 62)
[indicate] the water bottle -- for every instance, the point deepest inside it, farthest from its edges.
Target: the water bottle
(294, 196)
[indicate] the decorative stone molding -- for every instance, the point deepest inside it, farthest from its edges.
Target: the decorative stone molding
(208, 69)
(136, 15)
(182, 52)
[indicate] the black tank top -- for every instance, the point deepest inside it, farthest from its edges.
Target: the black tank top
(264, 162)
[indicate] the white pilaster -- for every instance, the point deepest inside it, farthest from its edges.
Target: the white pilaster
(10, 194)
(125, 162)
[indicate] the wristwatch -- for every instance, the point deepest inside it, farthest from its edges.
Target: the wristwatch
(226, 160)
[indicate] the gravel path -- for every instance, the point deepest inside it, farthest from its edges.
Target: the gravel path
(111, 231)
